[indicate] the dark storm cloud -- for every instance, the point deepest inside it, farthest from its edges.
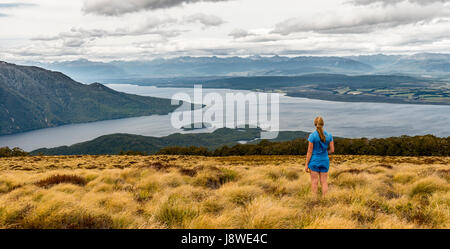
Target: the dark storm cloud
(120, 7)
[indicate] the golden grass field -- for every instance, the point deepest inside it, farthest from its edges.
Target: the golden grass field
(223, 192)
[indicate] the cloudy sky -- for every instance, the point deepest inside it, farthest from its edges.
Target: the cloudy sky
(105, 30)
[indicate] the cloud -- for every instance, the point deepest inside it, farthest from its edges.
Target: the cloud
(152, 26)
(74, 43)
(393, 2)
(262, 36)
(266, 38)
(239, 33)
(428, 35)
(206, 20)
(120, 7)
(288, 27)
(363, 20)
(15, 5)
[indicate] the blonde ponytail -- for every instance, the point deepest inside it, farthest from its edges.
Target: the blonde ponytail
(318, 122)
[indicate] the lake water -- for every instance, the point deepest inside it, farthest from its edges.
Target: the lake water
(341, 119)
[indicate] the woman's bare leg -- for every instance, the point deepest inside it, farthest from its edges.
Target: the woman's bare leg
(324, 183)
(314, 182)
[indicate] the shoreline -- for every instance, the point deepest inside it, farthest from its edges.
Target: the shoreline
(331, 97)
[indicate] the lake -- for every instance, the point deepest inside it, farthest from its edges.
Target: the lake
(343, 119)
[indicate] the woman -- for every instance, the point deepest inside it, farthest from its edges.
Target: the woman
(317, 162)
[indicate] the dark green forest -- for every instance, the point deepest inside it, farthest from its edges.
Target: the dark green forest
(228, 142)
(428, 145)
(7, 152)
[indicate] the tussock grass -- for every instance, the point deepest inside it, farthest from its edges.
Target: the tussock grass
(404, 177)
(428, 186)
(223, 192)
(58, 179)
(240, 195)
(214, 178)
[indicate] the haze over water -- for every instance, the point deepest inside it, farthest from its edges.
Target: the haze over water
(345, 119)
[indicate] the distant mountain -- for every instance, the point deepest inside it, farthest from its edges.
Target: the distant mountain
(416, 64)
(377, 61)
(115, 143)
(184, 67)
(34, 98)
(84, 70)
(88, 71)
(424, 63)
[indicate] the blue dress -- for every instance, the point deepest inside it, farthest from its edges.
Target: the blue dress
(319, 160)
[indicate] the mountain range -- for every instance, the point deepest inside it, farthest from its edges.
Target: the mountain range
(34, 98)
(416, 64)
(424, 64)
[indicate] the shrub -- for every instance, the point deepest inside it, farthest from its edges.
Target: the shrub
(15, 152)
(131, 153)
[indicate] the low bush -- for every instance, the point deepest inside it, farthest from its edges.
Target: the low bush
(15, 152)
(428, 145)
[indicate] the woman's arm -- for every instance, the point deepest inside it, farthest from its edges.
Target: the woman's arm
(308, 156)
(331, 148)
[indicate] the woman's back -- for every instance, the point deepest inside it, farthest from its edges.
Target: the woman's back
(320, 149)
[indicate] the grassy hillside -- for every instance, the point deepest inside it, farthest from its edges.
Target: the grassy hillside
(34, 98)
(115, 143)
(222, 192)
